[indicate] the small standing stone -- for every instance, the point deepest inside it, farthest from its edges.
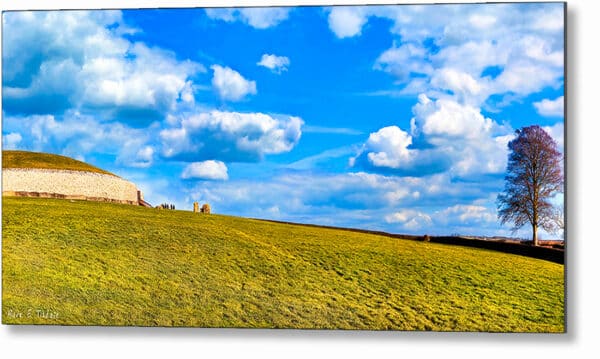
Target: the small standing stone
(205, 208)
(196, 207)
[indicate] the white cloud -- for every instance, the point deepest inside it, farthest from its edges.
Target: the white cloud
(410, 219)
(300, 191)
(456, 23)
(549, 20)
(224, 14)
(60, 60)
(208, 170)
(332, 130)
(464, 87)
(524, 78)
(277, 64)
(551, 108)
(347, 21)
(463, 218)
(76, 135)
(230, 84)
(557, 132)
(143, 157)
(476, 144)
(456, 66)
(388, 151)
(404, 60)
(264, 17)
(154, 80)
(134, 152)
(388, 147)
(258, 17)
(472, 56)
(459, 140)
(466, 214)
(444, 118)
(542, 50)
(526, 65)
(322, 159)
(364, 200)
(482, 21)
(434, 41)
(145, 153)
(11, 141)
(230, 136)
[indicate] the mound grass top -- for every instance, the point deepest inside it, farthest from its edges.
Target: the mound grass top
(38, 160)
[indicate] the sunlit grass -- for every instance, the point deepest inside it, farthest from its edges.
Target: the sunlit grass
(105, 264)
(38, 160)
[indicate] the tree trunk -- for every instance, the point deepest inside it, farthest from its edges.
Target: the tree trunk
(535, 239)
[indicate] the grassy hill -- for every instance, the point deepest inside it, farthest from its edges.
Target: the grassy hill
(25, 159)
(94, 263)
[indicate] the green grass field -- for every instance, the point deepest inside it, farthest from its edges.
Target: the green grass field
(88, 263)
(25, 159)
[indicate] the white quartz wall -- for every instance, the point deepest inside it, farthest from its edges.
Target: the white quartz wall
(69, 183)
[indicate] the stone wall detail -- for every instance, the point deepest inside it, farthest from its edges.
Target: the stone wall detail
(66, 184)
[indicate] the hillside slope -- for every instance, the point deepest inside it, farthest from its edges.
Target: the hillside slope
(105, 264)
(39, 160)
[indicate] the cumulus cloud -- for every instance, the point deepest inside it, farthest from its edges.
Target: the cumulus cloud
(134, 153)
(410, 219)
(461, 70)
(154, 80)
(206, 170)
(389, 147)
(389, 151)
(230, 136)
(472, 57)
(257, 17)
(442, 119)
(466, 214)
(551, 108)
(436, 51)
(526, 63)
(482, 21)
(557, 132)
(415, 22)
(463, 86)
(60, 60)
(451, 137)
(343, 199)
(277, 64)
(75, 134)
(11, 141)
(476, 144)
(230, 85)
(526, 78)
(347, 21)
(456, 67)
(404, 60)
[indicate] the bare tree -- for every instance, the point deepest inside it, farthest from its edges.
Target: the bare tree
(559, 217)
(533, 176)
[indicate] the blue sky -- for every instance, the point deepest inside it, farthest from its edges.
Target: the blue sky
(383, 117)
